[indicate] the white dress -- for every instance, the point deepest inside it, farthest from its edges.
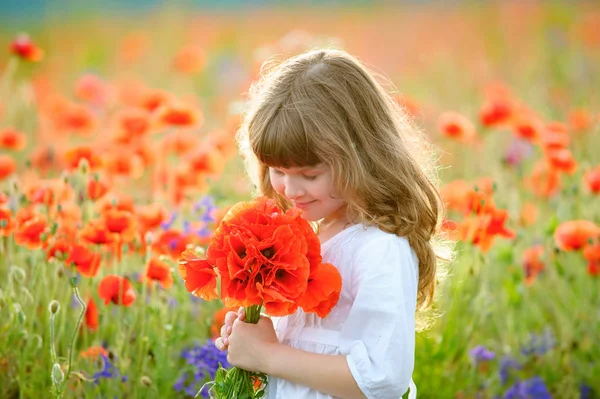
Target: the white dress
(373, 323)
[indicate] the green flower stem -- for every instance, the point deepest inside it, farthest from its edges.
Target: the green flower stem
(53, 353)
(75, 331)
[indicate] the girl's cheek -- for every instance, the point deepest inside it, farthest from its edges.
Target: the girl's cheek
(277, 185)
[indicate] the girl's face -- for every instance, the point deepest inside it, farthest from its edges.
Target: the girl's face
(308, 188)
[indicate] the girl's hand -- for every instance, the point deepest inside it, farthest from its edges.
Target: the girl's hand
(251, 344)
(222, 343)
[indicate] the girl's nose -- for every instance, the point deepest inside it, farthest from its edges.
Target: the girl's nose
(293, 190)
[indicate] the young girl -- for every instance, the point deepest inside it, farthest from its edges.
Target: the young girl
(325, 137)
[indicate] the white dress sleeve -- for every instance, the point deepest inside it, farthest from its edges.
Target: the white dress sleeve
(378, 337)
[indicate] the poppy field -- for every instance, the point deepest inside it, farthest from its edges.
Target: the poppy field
(118, 153)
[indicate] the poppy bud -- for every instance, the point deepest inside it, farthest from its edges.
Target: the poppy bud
(146, 381)
(57, 374)
(54, 307)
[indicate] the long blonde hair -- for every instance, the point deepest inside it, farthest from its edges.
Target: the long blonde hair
(324, 106)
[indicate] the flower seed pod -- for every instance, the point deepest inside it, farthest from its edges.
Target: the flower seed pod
(57, 374)
(54, 307)
(146, 381)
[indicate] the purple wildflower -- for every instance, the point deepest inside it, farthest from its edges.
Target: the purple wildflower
(167, 224)
(517, 152)
(109, 370)
(534, 388)
(202, 365)
(481, 354)
(507, 363)
(539, 344)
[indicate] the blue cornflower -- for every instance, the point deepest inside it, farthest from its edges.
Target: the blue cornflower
(481, 354)
(109, 370)
(506, 364)
(586, 391)
(206, 206)
(167, 224)
(539, 344)
(534, 388)
(203, 362)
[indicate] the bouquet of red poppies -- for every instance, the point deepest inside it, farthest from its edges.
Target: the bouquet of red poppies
(263, 257)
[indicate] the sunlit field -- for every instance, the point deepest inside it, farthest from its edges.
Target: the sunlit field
(117, 153)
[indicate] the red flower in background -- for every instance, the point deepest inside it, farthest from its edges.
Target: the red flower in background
(91, 315)
(86, 261)
(575, 234)
(26, 49)
(532, 263)
(159, 271)
(456, 126)
(11, 139)
(591, 179)
(8, 166)
(75, 155)
(116, 289)
(592, 254)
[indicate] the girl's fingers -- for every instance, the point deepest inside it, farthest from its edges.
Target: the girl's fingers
(230, 317)
(224, 331)
(241, 314)
(220, 344)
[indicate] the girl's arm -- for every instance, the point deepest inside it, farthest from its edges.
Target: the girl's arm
(255, 347)
(325, 373)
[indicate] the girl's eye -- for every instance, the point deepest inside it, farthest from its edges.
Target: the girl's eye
(277, 172)
(310, 178)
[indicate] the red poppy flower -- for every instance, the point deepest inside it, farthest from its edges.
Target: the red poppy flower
(150, 216)
(456, 126)
(199, 276)
(122, 223)
(171, 243)
(60, 249)
(91, 315)
(575, 234)
(31, 233)
(528, 128)
(8, 166)
(75, 155)
(96, 188)
(93, 352)
(116, 289)
(86, 261)
(265, 256)
(592, 254)
(155, 99)
(179, 115)
(580, 120)
(159, 271)
(323, 291)
(561, 159)
(544, 180)
(591, 180)
(495, 112)
(26, 49)
(532, 263)
(189, 59)
(11, 139)
(96, 232)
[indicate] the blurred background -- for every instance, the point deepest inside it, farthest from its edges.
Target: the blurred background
(132, 106)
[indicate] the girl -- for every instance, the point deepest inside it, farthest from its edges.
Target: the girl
(322, 135)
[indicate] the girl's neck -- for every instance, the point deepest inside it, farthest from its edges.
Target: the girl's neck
(333, 224)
